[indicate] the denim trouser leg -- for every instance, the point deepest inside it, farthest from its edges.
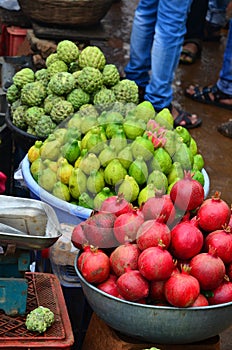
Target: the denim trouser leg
(224, 82)
(157, 36)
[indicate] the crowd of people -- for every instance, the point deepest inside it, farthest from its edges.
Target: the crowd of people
(166, 33)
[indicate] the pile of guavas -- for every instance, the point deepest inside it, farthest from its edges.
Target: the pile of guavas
(174, 250)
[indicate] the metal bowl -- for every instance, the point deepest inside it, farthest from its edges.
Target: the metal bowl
(157, 324)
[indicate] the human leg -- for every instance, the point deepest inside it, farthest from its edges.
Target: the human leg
(192, 46)
(220, 94)
(141, 42)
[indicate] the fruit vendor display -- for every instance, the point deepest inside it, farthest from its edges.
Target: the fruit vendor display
(97, 139)
(167, 259)
(42, 99)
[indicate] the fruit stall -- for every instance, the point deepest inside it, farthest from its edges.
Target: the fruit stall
(131, 251)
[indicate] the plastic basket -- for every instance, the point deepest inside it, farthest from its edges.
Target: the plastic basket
(43, 289)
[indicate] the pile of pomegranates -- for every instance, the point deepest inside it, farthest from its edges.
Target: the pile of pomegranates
(175, 250)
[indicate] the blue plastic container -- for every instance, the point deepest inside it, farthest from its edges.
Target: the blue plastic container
(66, 212)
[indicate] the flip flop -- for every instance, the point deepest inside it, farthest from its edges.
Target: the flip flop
(189, 54)
(202, 95)
(186, 118)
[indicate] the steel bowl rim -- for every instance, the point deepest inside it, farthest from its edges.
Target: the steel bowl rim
(159, 307)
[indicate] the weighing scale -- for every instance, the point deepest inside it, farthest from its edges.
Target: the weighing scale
(26, 225)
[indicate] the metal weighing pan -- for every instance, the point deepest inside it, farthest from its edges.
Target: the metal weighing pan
(27, 223)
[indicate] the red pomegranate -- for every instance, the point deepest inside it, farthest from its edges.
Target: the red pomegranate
(213, 214)
(125, 255)
(160, 208)
(222, 294)
(78, 237)
(156, 263)
(186, 240)
(98, 230)
(156, 293)
(208, 268)
(200, 301)
(109, 286)
(94, 265)
(116, 205)
(221, 240)
(187, 193)
(151, 232)
(126, 226)
(182, 289)
(132, 285)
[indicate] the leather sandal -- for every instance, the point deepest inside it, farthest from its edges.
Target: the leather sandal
(210, 95)
(187, 56)
(184, 119)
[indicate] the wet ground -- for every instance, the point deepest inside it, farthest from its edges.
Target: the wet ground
(215, 148)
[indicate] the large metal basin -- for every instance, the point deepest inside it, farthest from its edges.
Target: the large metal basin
(158, 324)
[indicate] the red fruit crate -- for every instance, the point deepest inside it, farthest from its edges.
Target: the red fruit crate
(15, 38)
(43, 289)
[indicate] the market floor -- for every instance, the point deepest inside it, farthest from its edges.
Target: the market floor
(215, 148)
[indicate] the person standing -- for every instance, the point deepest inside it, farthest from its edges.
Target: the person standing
(156, 39)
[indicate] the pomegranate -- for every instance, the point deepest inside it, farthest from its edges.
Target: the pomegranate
(182, 289)
(201, 300)
(109, 286)
(187, 193)
(208, 268)
(94, 265)
(156, 263)
(116, 205)
(213, 214)
(221, 240)
(132, 285)
(126, 226)
(156, 293)
(125, 255)
(78, 237)
(229, 271)
(160, 208)
(98, 230)
(222, 294)
(186, 240)
(151, 232)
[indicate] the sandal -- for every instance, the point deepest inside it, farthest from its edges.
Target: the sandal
(226, 128)
(184, 119)
(187, 56)
(209, 95)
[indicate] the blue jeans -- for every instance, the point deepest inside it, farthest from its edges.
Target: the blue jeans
(224, 82)
(157, 36)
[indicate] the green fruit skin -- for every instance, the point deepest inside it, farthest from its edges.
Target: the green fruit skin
(129, 188)
(114, 172)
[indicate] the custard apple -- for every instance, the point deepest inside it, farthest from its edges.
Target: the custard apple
(51, 58)
(42, 76)
(49, 101)
(18, 117)
(61, 83)
(31, 131)
(32, 115)
(110, 75)
(61, 110)
(13, 93)
(90, 79)
(104, 98)
(92, 56)
(88, 110)
(23, 76)
(57, 66)
(78, 97)
(45, 126)
(67, 51)
(126, 91)
(33, 94)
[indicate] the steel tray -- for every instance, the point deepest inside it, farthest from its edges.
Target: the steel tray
(27, 223)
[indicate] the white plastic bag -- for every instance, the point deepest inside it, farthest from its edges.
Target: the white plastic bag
(10, 5)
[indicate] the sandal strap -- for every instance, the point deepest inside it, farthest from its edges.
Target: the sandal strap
(204, 93)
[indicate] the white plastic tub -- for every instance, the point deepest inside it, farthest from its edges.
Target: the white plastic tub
(66, 212)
